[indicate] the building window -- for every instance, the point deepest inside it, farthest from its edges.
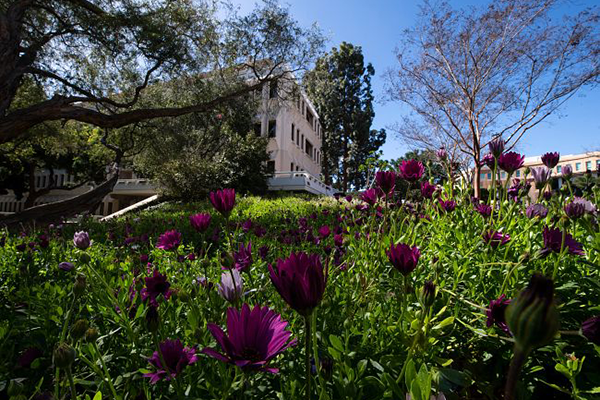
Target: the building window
(110, 208)
(302, 143)
(518, 173)
(298, 137)
(271, 167)
(297, 168)
(598, 165)
(37, 181)
(272, 128)
(291, 166)
(310, 118)
(503, 175)
(577, 166)
(273, 90)
(559, 169)
(308, 148)
(482, 176)
(257, 129)
(302, 109)
(293, 129)
(588, 165)
(489, 175)
(62, 179)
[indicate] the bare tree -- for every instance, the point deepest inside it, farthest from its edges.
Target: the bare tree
(492, 72)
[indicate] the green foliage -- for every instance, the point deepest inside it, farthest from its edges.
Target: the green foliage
(194, 154)
(373, 338)
(73, 147)
(340, 88)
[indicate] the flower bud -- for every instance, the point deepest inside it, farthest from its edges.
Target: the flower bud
(81, 240)
(427, 295)
(532, 317)
(64, 355)
(79, 285)
(91, 335)
(79, 328)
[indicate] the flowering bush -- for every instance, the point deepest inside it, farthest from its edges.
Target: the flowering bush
(359, 297)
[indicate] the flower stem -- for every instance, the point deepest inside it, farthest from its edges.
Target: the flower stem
(71, 383)
(516, 365)
(308, 336)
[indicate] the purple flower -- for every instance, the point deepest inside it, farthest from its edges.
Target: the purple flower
(300, 280)
(550, 160)
(404, 257)
(324, 232)
(386, 181)
(170, 240)
(488, 160)
(567, 171)
(511, 161)
(348, 198)
(223, 201)
(447, 205)
(496, 147)
(588, 206)
(411, 170)
(66, 266)
(547, 195)
(81, 240)
(263, 252)
(427, 189)
(536, 210)
(484, 210)
(231, 287)
(495, 313)
(369, 196)
(144, 258)
(495, 238)
(28, 356)
(243, 257)
(247, 225)
(200, 222)
(338, 240)
(541, 176)
(441, 154)
(176, 358)
(553, 239)
(253, 338)
(574, 210)
(591, 329)
(156, 285)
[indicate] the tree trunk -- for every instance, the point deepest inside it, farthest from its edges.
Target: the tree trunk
(52, 212)
(477, 177)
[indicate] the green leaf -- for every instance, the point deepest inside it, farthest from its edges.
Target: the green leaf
(410, 372)
(98, 396)
(563, 370)
(336, 343)
(424, 380)
(444, 323)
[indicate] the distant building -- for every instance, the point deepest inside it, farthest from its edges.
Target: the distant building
(580, 163)
(294, 132)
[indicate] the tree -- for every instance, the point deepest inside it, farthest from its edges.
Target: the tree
(434, 170)
(96, 58)
(189, 156)
(340, 88)
(74, 147)
(491, 72)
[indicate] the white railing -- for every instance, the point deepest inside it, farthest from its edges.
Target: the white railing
(299, 181)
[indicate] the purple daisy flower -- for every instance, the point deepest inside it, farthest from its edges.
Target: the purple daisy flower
(495, 238)
(253, 338)
(495, 313)
(404, 257)
(551, 160)
(170, 240)
(200, 222)
(223, 201)
(243, 257)
(511, 161)
(553, 241)
(176, 358)
(411, 170)
(156, 285)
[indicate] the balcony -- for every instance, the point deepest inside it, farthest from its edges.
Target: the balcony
(299, 181)
(134, 187)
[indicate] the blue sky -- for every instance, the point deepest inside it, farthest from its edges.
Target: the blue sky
(377, 26)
